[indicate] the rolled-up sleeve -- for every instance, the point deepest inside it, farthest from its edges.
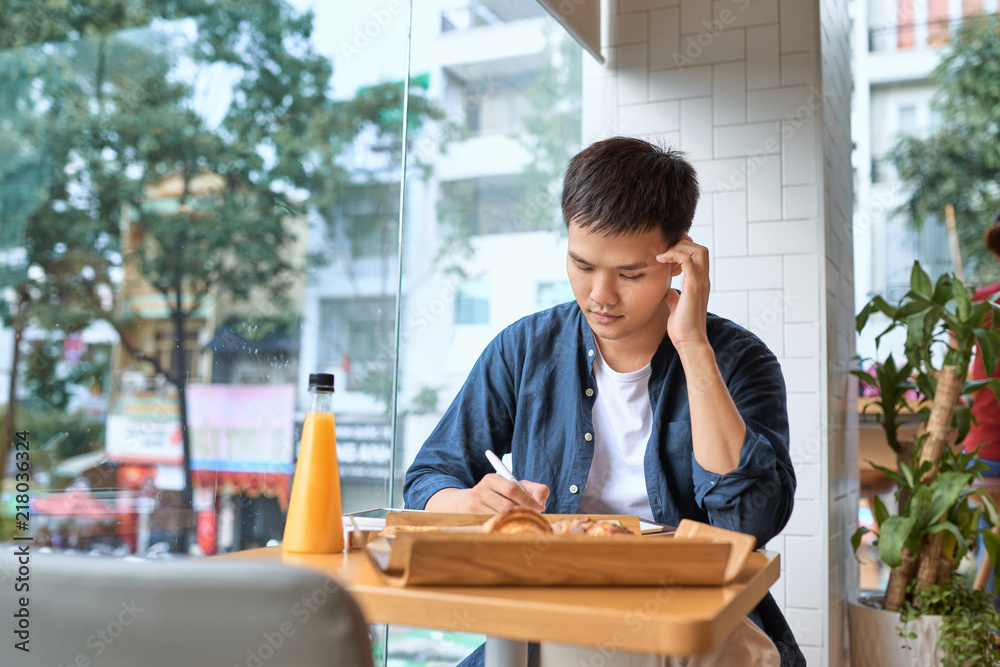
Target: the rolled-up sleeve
(481, 417)
(757, 496)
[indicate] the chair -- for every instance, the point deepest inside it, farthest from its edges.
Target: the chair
(85, 610)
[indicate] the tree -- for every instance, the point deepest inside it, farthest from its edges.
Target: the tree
(959, 163)
(109, 118)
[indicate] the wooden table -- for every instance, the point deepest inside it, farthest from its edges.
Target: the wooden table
(665, 620)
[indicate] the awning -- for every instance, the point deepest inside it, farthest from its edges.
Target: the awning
(253, 484)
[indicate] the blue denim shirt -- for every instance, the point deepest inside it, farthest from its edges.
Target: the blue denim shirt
(532, 391)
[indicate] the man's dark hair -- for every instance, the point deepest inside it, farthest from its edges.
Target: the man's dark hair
(624, 185)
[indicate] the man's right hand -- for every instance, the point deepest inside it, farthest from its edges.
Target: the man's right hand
(492, 495)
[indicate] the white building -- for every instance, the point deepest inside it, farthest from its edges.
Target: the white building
(475, 63)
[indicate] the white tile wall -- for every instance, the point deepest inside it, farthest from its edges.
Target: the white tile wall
(649, 118)
(695, 15)
(749, 273)
(763, 70)
(801, 339)
(785, 236)
(798, 151)
(766, 318)
(626, 6)
(730, 223)
(779, 103)
(800, 201)
(707, 46)
(801, 375)
(696, 119)
(836, 197)
(747, 139)
(802, 287)
(720, 175)
(672, 84)
(664, 51)
(633, 74)
(806, 625)
(808, 481)
(806, 579)
(799, 25)
(729, 93)
(628, 29)
(704, 213)
(764, 188)
(740, 86)
(798, 68)
(742, 13)
(805, 419)
(805, 518)
(731, 305)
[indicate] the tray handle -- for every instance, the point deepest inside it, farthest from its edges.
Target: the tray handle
(741, 544)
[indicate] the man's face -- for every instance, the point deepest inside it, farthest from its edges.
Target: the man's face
(618, 283)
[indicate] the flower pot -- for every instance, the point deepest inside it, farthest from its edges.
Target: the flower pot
(875, 640)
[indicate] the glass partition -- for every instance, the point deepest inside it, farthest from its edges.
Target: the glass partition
(201, 207)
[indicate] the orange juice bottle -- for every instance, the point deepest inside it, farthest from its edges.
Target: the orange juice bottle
(315, 524)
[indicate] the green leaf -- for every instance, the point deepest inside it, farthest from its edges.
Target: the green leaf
(865, 377)
(893, 475)
(917, 305)
(920, 282)
(946, 488)
(942, 290)
(961, 544)
(907, 475)
(877, 304)
(893, 534)
(856, 537)
(992, 543)
(880, 511)
(963, 302)
(989, 346)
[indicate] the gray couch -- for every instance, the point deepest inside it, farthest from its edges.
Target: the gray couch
(89, 611)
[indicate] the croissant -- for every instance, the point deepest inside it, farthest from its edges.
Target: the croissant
(517, 521)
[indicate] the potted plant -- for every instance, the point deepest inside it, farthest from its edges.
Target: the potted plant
(927, 537)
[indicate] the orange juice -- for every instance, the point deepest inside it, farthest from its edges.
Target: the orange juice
(314, 523)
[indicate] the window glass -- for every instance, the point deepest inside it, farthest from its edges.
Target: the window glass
(907, 118)
(198, 210)
(472, 304)
(553, 293)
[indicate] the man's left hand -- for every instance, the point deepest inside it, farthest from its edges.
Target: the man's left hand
(689, 309)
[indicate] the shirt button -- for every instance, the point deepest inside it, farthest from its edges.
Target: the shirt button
(589, 392)
(574, 488)
(590, 353)
(588, 437)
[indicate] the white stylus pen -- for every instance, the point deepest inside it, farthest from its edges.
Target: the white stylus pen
(501, 468)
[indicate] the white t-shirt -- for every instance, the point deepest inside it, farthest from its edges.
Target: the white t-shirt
(623, 422)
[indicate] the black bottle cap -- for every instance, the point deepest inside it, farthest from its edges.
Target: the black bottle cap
(321, 381)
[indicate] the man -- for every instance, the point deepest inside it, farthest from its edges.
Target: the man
(634, 399)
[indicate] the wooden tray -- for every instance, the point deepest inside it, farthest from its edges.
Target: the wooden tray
(458, 555)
